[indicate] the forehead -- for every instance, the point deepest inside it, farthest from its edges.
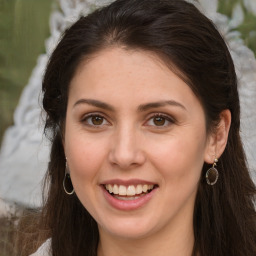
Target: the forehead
(128, 73)
(120, 57)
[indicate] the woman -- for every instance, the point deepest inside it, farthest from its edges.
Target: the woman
(143, 113)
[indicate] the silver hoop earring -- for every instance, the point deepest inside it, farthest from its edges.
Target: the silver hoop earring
(67, 183)
(212, 174)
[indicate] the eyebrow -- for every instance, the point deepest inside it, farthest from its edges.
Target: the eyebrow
(147, 106)
(141, 108)
(95, 103)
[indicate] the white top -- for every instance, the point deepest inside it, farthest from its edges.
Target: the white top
(44, 249)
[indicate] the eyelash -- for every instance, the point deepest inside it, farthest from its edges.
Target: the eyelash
(87, 117)
(166, 118)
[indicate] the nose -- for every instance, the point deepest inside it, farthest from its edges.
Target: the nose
(127, 150)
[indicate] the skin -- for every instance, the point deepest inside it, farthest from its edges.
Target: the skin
(129, 142)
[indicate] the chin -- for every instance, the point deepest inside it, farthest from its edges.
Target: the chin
(129, 229)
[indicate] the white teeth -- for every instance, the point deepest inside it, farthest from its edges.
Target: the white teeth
(122, 191)
(115, 189)
(139, 189)
(145, 188)
(131, 190)
(110, 188)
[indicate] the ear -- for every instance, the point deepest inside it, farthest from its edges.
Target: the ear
(217, 140)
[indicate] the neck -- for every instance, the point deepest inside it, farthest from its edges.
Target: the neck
(180, 241)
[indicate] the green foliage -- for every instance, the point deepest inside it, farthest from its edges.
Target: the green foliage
(248, 27)
(226, 6)
(248, 31)
(24, 26)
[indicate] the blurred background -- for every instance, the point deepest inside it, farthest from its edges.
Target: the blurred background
(24, 28)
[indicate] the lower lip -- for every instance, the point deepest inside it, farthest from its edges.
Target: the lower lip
(128, 205)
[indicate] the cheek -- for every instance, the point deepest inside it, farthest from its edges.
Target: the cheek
(180, 158)
(179, 163)
(85, 155)
(85, 158)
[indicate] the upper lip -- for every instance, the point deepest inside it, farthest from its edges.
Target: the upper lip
(127, 182)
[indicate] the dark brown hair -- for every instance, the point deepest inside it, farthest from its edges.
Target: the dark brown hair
(189, 43)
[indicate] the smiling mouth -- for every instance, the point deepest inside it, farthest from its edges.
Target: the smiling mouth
(131, 192)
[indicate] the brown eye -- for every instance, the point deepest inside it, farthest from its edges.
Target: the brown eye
(159, 121)
(97, 120)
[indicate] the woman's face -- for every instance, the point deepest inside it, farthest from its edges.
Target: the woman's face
(135, 142)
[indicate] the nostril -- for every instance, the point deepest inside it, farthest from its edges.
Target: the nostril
(125, 151)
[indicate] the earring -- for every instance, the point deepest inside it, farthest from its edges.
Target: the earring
(212, 174)
(67, 183)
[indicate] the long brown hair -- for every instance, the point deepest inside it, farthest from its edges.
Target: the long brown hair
(189, 43)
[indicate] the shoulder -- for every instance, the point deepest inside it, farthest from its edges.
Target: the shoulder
(44, 249)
